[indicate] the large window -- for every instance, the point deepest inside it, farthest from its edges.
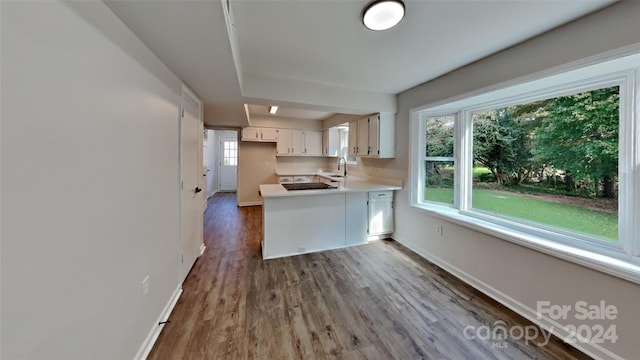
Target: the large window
(553, 159)
(552, 162)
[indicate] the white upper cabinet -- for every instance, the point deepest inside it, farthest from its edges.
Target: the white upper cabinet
(362, 146)
(283, 145)
(353, 138)
(259, 134)
(331, 142)
(383, 139)
(313, 143)
(373, 136)
(269, 134)
(297, 142)
(293, 142)
(251, 134)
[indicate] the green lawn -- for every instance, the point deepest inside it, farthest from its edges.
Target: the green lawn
(563, 216)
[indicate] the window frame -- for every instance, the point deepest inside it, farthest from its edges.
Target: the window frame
(233, 150)
(621, 258)
(453, 158)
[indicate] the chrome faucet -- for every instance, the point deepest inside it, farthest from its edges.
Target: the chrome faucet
(345, 164)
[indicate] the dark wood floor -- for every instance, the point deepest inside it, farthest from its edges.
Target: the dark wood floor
(375, 301)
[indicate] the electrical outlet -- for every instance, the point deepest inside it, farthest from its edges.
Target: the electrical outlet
(145, 286)
(302, 249)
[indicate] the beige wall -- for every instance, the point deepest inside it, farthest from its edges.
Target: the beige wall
(90, 185)
(256, 165)
(312, 163)
(514, 274)
(257, 162)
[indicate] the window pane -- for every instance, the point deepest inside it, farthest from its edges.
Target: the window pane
(439, 182)
(230, 153)
(439, 136)
(553, 162)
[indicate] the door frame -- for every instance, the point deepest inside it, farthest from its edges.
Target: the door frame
(199, 152)
(212, 165)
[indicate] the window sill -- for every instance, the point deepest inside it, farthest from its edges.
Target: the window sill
(623, 268)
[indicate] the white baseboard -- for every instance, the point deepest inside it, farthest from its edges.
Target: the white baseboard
(594, 350)
(148, 343)
(203, 247)
(250, 203)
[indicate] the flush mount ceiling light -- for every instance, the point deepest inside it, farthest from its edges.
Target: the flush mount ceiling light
(273, 109)
(383, 14)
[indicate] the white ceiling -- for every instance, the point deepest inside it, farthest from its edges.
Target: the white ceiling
(317, 55)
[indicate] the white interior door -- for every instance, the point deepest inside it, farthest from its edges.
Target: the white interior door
(191, 178)
(228, 173)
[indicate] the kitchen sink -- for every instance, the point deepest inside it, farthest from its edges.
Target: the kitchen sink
(308, 186)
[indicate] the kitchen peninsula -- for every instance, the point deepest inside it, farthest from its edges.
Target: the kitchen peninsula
(302, 221)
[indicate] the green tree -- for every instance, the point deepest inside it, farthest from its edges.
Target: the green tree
(439, 136)
(439, 143)
(501, 143)
(580, 135)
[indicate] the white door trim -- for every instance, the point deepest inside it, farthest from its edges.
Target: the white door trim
(199, 182)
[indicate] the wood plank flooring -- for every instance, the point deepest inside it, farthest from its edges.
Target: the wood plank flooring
(375, 301)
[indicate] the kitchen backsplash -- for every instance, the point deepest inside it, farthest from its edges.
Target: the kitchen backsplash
(297, 164)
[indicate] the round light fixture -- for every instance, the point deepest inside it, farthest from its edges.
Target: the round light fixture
(383, 14)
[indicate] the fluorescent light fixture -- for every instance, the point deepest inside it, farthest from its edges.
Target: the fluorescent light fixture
(383, 14)
(273, 109)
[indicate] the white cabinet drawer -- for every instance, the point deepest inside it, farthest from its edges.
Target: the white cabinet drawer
(285, 179)
(381, 194)
(302, 179)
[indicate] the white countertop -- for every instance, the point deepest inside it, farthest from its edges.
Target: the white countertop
(348, 185)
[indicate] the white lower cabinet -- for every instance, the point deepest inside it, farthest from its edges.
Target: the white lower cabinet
(300, 224)
(380, 209)
(356, 220)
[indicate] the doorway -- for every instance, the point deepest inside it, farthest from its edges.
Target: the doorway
(228, 164)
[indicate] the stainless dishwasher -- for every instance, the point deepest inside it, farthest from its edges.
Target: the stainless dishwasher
(380, 207)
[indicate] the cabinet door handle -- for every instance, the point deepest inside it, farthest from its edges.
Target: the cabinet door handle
(369, 151)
